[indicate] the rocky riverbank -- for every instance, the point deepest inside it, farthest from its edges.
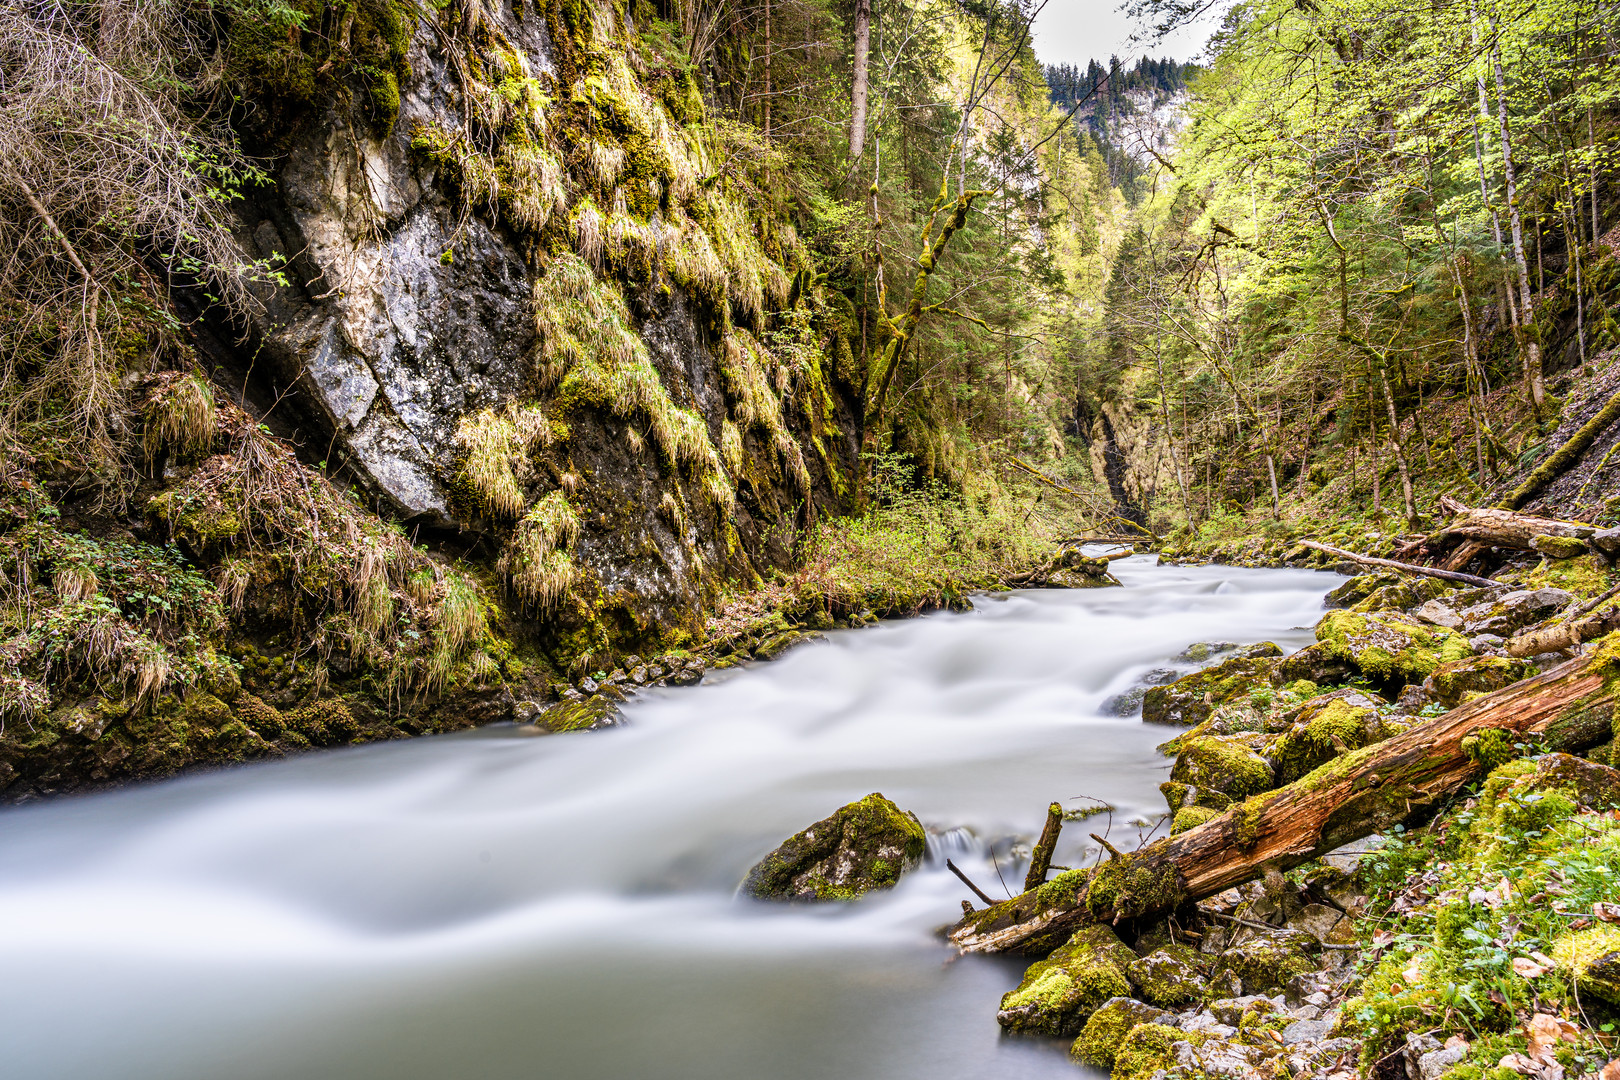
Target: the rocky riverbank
(1473, 940)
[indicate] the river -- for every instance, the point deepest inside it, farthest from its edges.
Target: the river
(488, 905)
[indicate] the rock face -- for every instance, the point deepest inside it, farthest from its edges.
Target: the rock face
(434, 338)
(864, 846)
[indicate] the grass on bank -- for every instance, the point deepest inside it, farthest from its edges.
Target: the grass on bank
(920, 545)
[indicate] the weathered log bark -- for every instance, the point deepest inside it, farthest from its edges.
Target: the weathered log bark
(1565, 634)
(1428, 571)
(1568, 708)
(1507, 528)
(1041, 860)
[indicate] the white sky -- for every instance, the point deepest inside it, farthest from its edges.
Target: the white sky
(1075, 31)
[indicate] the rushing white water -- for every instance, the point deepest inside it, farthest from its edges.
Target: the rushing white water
(490, 905)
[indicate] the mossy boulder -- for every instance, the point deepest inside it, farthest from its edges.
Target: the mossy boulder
(1324, 728)
(1190, 817)
(1172, 976)
(1103, 1034)
(1059, 994)
(863, 846)
(1191, 699)
(1358, 588)
(1452, 682)
(1225, 764)
(1179, 796)
(1147, 1049)
(1387, 648)
(1315, 664)
(1592, 958)
(1265, 960)
(587, 714)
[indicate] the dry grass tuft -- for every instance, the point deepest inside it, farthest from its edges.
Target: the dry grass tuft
(179, 416)
(490, 441)
(535, 560)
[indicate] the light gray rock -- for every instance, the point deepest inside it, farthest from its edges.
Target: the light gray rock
(1302, 1031)
(1434, 1063)
(1433, 611)
(1317, 920)
(1514, 611)
(1204, 1022)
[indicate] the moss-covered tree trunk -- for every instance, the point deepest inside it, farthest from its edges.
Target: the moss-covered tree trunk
(1568, 708)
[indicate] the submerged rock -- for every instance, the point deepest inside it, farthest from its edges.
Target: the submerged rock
(1059, 994)
(1191, 699)
(863, 846)
(585, 715)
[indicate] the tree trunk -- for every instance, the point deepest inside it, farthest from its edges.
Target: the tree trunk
(1526, 335)
(863, 47)
(767, 124)
(1410, 568)
(1499, 527)
(1363, 792)
(1400, 454)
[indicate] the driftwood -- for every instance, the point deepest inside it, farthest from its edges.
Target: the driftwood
(1410, 568)
(963, 878)
(1040, 861)
(1363, 792)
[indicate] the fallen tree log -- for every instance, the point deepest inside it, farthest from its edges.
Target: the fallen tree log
(1410, 568)
(1560, 461)
(1565, 634)
(1569, 708)
(1507, 528)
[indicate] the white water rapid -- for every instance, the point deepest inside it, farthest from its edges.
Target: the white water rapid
(487, 905)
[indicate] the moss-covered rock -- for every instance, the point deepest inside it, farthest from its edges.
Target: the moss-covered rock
(863, 846)
(1190, 817)
(1451, 682)
(1147, 1049)
(1225, 764)
(1059, 994)
(1324, 728)
(1265, 960)
(587, 714)
(1172, 976)
(1192, 698)
(1387, 648)
(1315, 664)
(1592, 958)
(1103, 1034)
(1358, 588)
